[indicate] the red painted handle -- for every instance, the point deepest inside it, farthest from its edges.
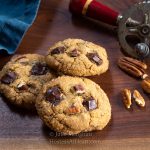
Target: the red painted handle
(94, 10)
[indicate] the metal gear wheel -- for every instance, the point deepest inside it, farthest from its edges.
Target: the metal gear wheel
(134, 28)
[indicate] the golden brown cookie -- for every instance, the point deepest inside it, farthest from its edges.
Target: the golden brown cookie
(71, 105)
(78, 58)
(22, 78)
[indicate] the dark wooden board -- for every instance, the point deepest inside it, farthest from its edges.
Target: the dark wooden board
(128, 129)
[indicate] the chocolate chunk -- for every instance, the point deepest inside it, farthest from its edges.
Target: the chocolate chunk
(39, 69)
(58, 50)
(90, 104)
(74, 53)
(79, 89)
(95, 58)
(8, 77)
(54, 95)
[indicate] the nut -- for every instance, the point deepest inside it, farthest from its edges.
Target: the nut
(138, 98)
(144, 76)
(126, 93)
(133, 67)
(72, 110)
(138, 63)
(146, 85)
(22, 59)
(22, 86)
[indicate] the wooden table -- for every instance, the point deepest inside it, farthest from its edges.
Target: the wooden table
(127, 129)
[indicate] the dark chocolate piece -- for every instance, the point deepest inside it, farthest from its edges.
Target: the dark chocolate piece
(39, 69)
(8, 77)
(90, 104)
(58, 50)
(74, 53)
(79, 89)
(54, 95)
(94, 57)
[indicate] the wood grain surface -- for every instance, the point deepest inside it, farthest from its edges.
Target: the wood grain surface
(127, 130)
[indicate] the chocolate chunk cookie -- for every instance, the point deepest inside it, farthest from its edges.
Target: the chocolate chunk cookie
(78, 58)
(22, 78)
(71, 105)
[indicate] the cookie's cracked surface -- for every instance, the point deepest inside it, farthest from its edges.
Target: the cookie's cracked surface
(22, 77)
(78, 58)
(72, 105)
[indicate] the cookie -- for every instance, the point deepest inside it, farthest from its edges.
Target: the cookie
(71, 105)
(22, 78)
(78, 58)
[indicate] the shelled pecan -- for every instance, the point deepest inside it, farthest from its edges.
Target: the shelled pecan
(133, 67)
(138, 98)
(138, 63)
(126, 93)
(146, 85)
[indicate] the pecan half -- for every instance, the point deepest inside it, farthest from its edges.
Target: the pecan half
(22, 86)
(138, 63)
(138, 98)
(72, 110)
(146, 85)
(126, 93)
(133, 67)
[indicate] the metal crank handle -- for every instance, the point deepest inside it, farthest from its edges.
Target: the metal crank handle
(95, 10)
